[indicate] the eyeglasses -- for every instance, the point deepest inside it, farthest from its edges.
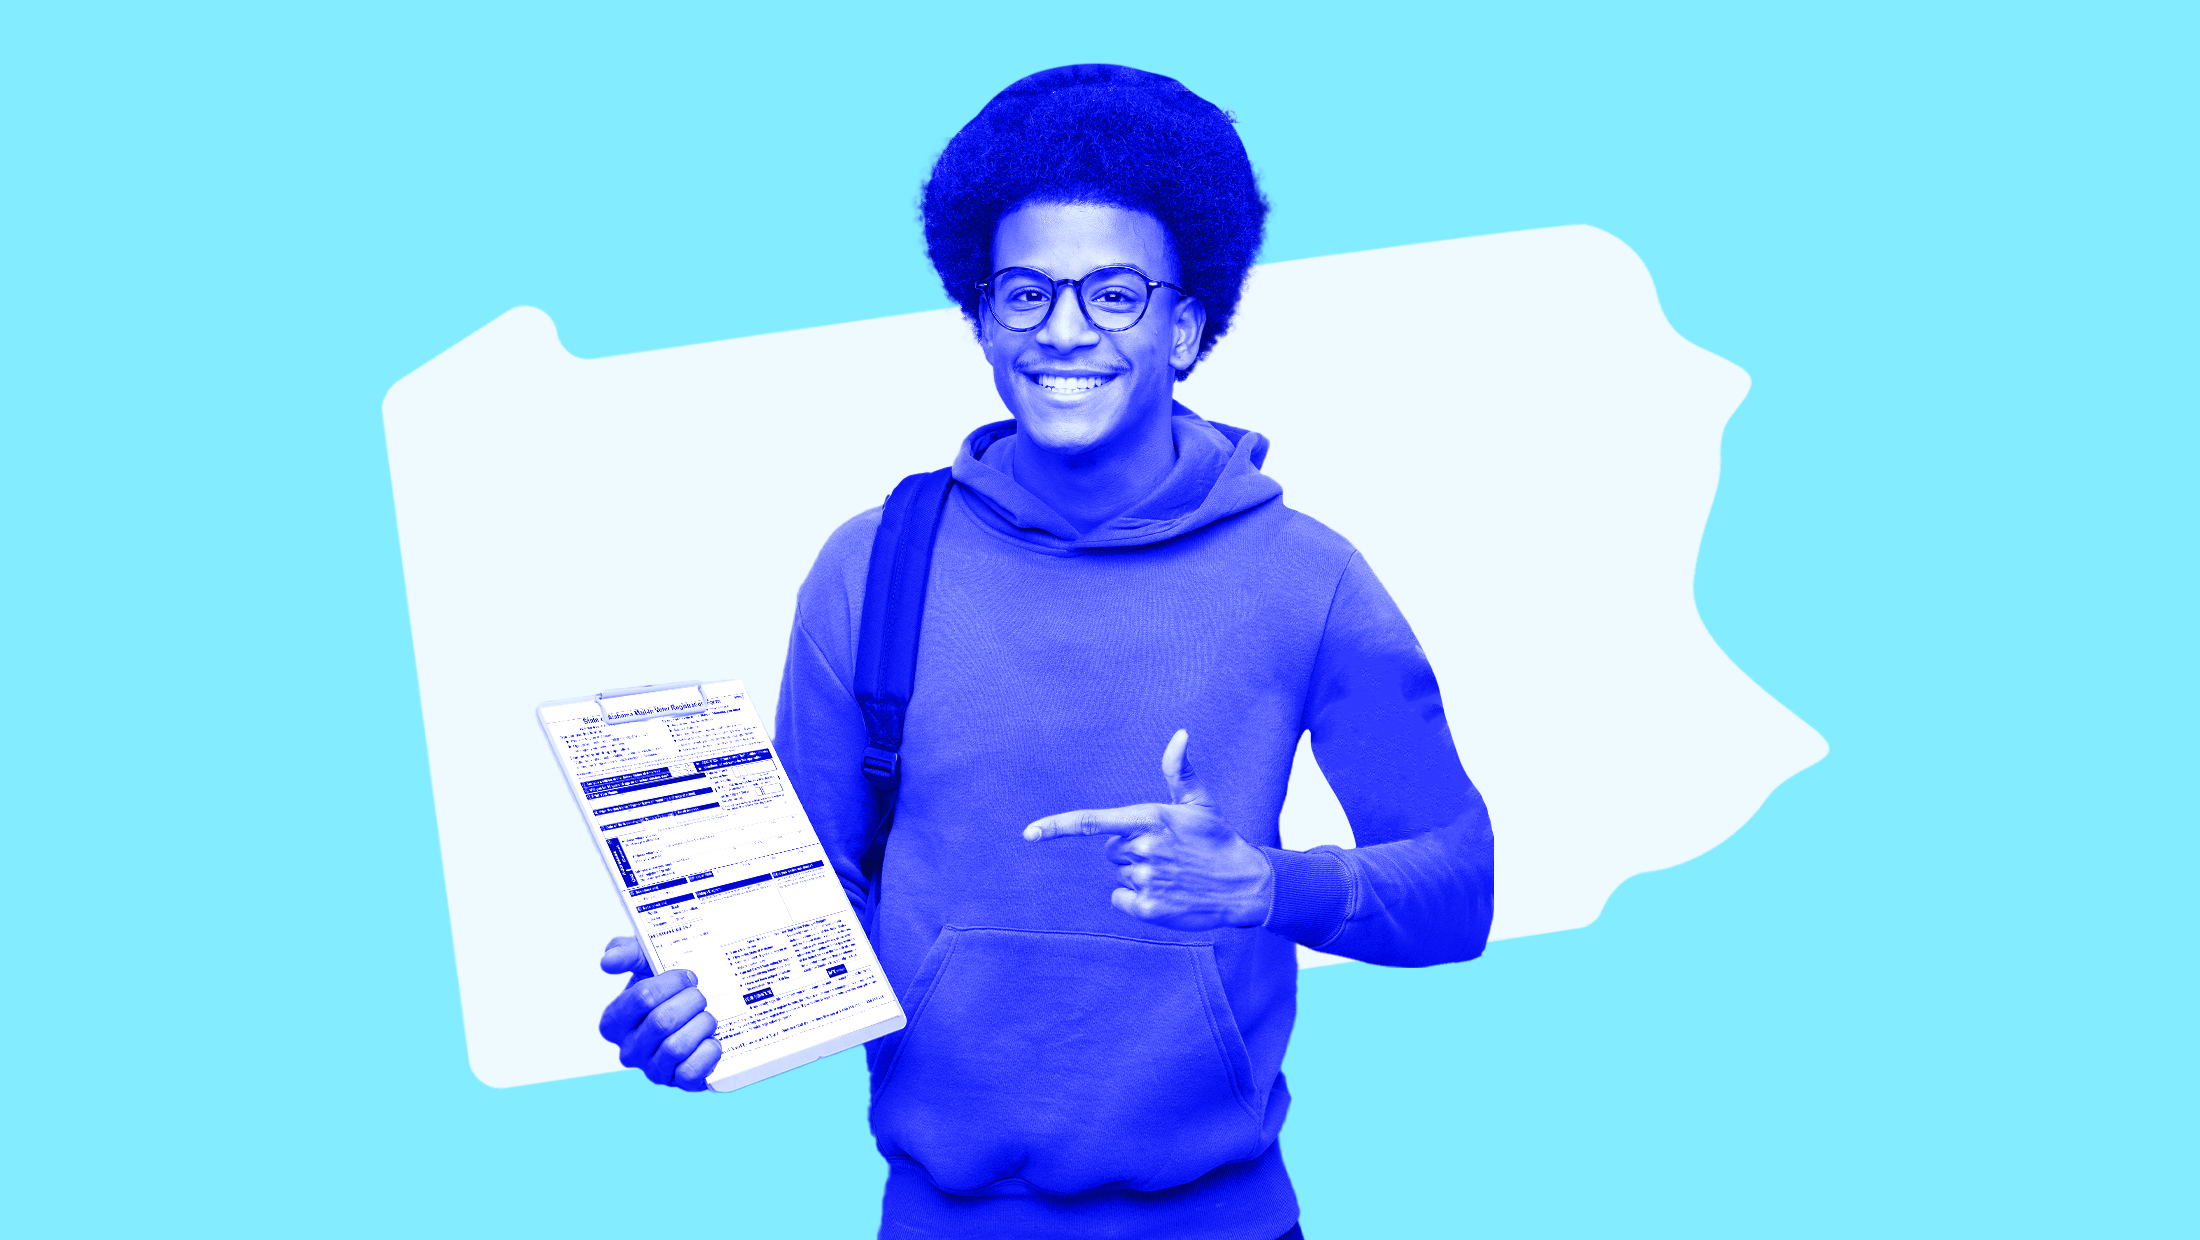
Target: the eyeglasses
(1113, 298)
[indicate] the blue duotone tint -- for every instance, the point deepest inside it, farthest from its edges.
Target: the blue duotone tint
(1938, 986)
(1068, 1070)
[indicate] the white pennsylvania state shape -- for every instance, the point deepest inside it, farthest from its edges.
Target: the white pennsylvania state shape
(1506, 426)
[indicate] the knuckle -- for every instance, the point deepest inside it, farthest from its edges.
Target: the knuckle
(663, 1063)
(694, 1072)
(619, 1019)
(665, 1018)
(617, 1022)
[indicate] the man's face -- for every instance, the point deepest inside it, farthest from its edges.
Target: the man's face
(1071, 386)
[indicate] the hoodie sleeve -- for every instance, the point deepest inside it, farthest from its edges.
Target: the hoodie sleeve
(1417, 888)
(818, 728)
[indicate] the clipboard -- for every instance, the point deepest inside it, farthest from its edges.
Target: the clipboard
(720, 871)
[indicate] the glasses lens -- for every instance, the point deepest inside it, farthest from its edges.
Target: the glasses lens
(1115, 297)
(1021, 298)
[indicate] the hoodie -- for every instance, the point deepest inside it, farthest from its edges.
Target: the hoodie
(1067, 1070)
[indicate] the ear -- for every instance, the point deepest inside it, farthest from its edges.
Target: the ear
(1189, 325)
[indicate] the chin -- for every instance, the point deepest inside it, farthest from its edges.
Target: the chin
(1063, 439)
(1068, 432)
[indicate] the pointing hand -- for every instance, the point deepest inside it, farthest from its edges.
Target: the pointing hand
(1180, 864)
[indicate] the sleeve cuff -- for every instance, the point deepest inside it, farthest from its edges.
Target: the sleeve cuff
(1310, 896)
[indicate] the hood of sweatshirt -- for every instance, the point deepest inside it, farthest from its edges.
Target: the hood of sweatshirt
(1216, 475)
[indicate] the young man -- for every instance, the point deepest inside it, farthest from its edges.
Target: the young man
(1099, 985)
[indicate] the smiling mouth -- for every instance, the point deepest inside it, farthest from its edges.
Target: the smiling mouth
(1070, 385)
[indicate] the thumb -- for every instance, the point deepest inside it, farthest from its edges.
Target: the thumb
(1185, 787)
(624, 955)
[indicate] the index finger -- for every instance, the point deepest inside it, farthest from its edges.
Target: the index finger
(1124, 820)
(637, 1001)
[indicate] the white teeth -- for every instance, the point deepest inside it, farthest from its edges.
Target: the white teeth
(1071, 384)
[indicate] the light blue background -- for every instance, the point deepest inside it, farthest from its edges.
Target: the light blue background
(1939, 986)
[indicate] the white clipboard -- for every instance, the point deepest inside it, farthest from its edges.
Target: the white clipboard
(720, 871)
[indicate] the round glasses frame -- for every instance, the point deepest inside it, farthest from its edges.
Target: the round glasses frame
(985, 291)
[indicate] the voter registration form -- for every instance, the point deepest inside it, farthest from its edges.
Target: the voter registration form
(721, 871)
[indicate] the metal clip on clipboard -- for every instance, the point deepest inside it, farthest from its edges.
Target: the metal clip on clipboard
(606, 708)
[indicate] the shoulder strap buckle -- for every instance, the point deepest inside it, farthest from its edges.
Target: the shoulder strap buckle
(882, 767)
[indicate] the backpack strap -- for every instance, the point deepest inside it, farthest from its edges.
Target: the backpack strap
(886, 645)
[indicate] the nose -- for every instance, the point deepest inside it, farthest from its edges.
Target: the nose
(1066, 326)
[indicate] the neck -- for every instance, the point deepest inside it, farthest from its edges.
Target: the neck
(1089, 488)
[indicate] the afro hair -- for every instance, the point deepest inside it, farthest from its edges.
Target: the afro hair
(1101, 134)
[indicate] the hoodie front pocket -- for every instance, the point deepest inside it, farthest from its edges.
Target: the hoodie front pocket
(1068, 1061)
